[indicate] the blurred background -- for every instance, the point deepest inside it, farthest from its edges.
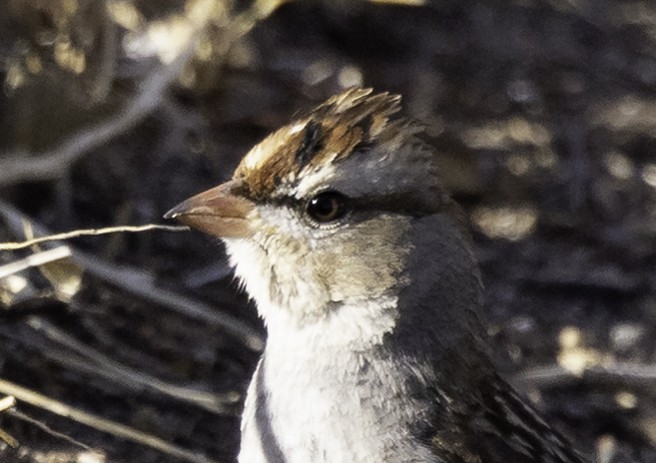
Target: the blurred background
(138, 347)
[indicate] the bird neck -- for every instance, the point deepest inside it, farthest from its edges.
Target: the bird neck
(352, 325)
(433, 314)
(439, 310)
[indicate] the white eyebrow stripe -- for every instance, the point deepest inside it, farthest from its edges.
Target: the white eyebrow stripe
(298, 127)
(312, 178)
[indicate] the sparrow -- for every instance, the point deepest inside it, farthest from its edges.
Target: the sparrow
(362, 268)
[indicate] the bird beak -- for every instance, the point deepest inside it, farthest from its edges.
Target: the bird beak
(217, 211)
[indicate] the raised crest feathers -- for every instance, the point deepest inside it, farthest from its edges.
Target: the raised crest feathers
(349, 122)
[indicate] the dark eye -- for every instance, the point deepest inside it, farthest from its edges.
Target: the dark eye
(328, 206)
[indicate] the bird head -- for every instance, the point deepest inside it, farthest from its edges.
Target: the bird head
(341, 208)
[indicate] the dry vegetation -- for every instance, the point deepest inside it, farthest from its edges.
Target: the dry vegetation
(138, 347)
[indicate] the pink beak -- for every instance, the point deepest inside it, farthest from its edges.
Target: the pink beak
(217, 211)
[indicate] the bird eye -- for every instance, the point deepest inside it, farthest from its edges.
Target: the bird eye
(328, 206)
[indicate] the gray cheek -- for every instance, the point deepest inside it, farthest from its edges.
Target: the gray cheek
(367, 262)
(301, 269)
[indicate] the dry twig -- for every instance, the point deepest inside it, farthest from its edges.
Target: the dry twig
(88, 232)
(111, 427)
(20, 167)
(98, 364)
(6, 404)
(620, 375)
(142, 284)
(34, 260)
(47, 429)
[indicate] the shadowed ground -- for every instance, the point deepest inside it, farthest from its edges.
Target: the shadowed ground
(112, 112)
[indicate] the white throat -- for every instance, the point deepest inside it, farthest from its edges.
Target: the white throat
(305, 314)
(327, 392)
(357, 326)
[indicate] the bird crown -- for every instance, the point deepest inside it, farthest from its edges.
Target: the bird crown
(348, 123)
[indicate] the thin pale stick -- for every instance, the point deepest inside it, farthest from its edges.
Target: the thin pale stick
(12, 246)
(7, 402)
(142, 284)
(18, 167)
(619, 374)
(117, 372)
(9, 439)
(47, 429)
(111, 427)
(34, 260)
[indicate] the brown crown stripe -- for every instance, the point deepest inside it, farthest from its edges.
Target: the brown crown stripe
(312, 143)
(349, 122)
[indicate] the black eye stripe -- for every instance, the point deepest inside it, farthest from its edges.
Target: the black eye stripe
(403, 204)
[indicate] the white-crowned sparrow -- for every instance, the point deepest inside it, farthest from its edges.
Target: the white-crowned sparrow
(362, 269)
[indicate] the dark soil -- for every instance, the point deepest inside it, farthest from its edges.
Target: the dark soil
(544, 113)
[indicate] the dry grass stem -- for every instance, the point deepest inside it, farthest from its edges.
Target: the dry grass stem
(18, 167)
(101, 424)
(88, 232)
(34, 260)
(98, 364)
(9, 439)
(7, 403)
(140, 283)
(641, 376)
(47, 429)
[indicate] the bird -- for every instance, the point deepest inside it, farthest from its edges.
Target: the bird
(340, 228)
